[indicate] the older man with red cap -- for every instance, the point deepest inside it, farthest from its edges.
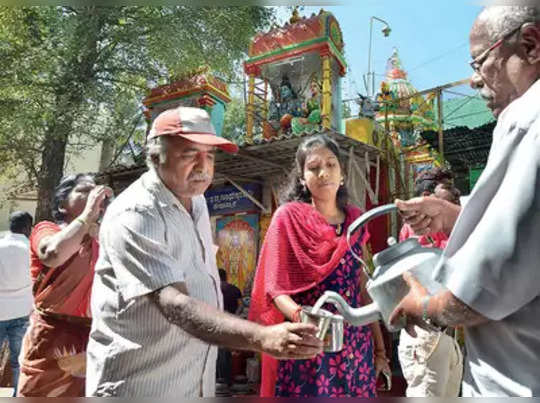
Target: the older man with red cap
(156, 302)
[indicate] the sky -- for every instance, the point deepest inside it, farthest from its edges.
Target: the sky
(431, 37)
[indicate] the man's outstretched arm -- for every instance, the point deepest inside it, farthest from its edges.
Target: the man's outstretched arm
(286, 340)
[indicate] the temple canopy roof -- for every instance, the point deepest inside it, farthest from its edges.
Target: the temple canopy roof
(191, 83)
(468, 111)
(299, 36)
(468, 127)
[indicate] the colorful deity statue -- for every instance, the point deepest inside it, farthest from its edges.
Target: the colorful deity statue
(311, 108)
(386, 99)
(367, 107)
(286, 106)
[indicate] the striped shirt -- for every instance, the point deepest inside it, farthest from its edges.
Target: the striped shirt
(148, 240)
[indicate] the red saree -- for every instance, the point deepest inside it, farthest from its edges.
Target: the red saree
(299, 251)
(436, 240)
(53, 357)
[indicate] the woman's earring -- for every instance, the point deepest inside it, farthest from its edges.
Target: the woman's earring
(342, 182)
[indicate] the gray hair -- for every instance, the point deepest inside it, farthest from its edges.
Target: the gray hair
(156, 151)
(501, 19)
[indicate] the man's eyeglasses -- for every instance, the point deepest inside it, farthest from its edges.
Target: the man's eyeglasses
(477, 62)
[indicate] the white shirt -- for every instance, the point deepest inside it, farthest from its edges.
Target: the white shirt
(492, 260)
(148, 241)
(15, 283)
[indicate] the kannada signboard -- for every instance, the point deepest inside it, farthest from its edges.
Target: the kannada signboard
(228, 199)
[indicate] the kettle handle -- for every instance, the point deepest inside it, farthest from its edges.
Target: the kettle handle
(362, 220)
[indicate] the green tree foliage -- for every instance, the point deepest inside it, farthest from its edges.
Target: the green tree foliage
(234, 124)
(73, 76)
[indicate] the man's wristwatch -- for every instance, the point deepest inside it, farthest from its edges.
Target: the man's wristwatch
(425, 316)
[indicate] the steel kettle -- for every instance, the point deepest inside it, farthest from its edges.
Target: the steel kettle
(386, 286)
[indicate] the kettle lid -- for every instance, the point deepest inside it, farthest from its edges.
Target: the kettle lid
(396, 251)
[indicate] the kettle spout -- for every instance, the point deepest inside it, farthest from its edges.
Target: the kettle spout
(355, 316)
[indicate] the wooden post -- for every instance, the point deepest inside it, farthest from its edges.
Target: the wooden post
(326, 91)
(440, 121)
(250, 118)
(387, 137)
(265, 105)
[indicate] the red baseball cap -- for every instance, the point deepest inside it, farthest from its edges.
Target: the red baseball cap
(192, 124)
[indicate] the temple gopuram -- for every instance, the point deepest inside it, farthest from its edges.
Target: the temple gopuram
(403, 115)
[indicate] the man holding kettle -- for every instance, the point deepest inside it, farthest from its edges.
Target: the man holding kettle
(490, 265)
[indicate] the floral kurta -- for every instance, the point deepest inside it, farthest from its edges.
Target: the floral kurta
(350, 372)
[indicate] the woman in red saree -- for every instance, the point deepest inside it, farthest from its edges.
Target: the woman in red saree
(304, 254)
(63, 255)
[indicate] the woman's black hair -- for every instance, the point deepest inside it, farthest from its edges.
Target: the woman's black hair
(294, 190)
(62, 191)
(428, 180)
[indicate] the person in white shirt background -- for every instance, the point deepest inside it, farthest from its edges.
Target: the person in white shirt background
(15, 286)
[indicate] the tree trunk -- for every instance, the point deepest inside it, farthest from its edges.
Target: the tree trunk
(52, 169)
(70, 95)
(107, 154)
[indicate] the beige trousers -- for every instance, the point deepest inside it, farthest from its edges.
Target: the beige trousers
(432, 364)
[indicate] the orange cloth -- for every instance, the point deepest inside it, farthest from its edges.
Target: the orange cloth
(53, 357)
(436, 240)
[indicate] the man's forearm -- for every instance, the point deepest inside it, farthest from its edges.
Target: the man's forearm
(206, 322)
(446, 310)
